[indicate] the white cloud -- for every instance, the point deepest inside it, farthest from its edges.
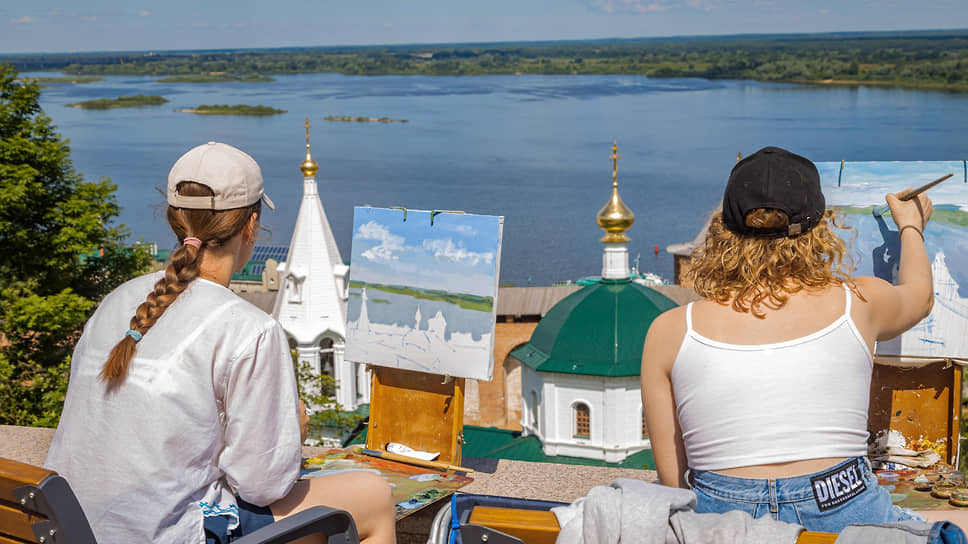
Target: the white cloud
(466, 230)
(388, 243)
(650, 6)
(26, 19)
(445, 248)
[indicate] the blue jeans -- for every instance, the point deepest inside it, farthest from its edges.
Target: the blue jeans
(251, 519)
(825, 501)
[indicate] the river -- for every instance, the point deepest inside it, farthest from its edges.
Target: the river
(534, 149)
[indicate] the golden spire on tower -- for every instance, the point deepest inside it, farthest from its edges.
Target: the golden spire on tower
(309, 166)
(615, 218)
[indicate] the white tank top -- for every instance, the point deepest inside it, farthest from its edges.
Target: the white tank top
(743, 405)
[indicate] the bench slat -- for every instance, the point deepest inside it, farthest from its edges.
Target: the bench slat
(7, 540)
(16, 523)
(14, 474)
(531, 526)
(810, 537)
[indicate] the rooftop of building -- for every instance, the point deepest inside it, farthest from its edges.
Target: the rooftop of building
(598, 330)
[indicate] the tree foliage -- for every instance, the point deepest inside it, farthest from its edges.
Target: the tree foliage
(327, 417)
(935, 59)
(59, 255)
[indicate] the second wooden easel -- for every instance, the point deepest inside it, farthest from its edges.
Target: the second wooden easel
(422, 411)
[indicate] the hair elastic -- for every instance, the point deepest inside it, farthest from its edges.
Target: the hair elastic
(192, 241)
(135, 335)
(916, 229)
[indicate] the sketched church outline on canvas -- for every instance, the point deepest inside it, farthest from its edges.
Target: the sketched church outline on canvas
(402, 346)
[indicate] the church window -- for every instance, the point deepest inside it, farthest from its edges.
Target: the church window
(582, 421)
(645, 428)
(295, 288)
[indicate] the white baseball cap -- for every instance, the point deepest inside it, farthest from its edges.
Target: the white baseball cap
(233, 176)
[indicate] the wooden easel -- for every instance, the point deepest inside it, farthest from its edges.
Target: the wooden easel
(919, 401)
(422, 411)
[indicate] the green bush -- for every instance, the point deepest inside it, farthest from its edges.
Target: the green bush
(59, 255)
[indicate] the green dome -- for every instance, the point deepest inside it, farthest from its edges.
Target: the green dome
(598, 330)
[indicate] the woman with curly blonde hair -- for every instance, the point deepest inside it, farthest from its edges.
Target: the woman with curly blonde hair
(757, 396)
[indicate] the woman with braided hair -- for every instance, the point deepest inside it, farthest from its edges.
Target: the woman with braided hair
(182, 421)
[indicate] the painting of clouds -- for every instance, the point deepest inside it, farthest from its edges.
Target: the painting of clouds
(857, 190)
(423, 291)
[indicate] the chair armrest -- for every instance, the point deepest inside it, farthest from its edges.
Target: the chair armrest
(337, 525)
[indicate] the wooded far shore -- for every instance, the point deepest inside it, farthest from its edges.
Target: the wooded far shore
(917, 59)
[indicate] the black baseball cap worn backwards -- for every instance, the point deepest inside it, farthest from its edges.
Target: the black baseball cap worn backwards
(777, 179)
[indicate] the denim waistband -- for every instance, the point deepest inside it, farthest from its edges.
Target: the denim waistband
(769, 490)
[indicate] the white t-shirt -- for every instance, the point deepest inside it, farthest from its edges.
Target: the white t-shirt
(209, 400)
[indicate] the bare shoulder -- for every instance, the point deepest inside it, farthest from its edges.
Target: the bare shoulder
(872, 289)
(869, 282)
(664, 338)
(669, 322)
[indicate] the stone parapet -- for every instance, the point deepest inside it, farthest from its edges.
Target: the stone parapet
(492, 477)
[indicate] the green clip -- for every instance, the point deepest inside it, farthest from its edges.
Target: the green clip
(405, 213)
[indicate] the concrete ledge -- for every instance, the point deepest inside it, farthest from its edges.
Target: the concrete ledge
(519, 479)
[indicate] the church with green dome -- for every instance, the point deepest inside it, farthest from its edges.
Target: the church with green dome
(581, 395)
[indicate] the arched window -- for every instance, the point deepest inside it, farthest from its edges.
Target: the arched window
(645, 428)
(327, 372)
(326, 357)
(583, 423)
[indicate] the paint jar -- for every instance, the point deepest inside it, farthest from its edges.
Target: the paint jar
(959, 497)
(887, 476)
(952, 477)
(942, 489)
(923, 483)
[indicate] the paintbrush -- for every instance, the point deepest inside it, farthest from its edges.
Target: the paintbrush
(413, 460)
(882, 209)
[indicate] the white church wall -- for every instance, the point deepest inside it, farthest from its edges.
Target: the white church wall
(532, 392)
(568, 391)
(614, 406)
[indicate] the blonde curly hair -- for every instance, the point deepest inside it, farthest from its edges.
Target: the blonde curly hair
(752, 272)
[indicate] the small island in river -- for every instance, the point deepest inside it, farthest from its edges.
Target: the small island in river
(216, 77)
(238, 109)
(363, 119)
(133, 101)
(45, 80)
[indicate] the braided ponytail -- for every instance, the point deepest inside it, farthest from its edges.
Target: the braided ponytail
(214, 228)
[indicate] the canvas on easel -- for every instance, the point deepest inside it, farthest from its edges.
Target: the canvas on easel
(917, 382)
(421, 311)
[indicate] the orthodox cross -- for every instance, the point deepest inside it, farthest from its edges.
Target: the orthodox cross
(307, 125)
(614, 158)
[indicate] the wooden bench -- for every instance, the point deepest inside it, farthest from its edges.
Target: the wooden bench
(541, 526)
(38, 506)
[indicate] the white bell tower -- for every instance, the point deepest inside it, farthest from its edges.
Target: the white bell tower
(311, 303)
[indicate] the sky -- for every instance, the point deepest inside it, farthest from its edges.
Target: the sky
(33, 26)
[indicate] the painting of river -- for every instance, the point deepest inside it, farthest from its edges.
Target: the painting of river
(423, 291)
(861, 186)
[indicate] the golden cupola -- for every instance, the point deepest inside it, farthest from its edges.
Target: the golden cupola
(309, 165)
(615, 218)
